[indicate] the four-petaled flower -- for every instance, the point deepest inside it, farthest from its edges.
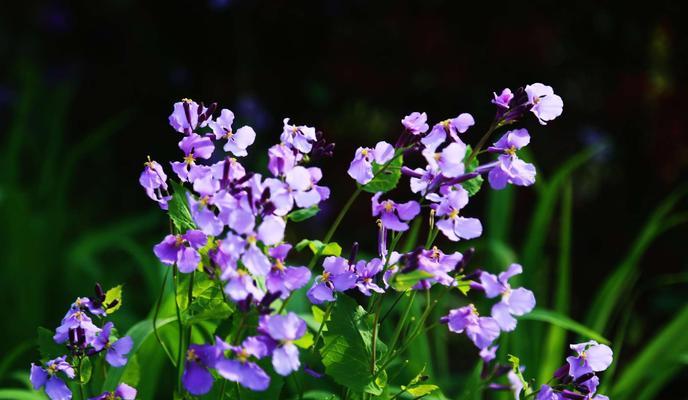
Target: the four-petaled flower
(481, 330)
(509, 168)
(181, 250)
(285, 329)
(591, 357)
(337, 276)
(47, 376)
(416, 123)
(517, 301)
(115, 352)
(122, 392)
(452, 225)
(394, 216)
(361, 167)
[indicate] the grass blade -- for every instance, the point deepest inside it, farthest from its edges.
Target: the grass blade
(564, 322)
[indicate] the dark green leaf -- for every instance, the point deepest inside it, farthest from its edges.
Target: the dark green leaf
(208, 301)
(387, 179)
(47, 346)
(303, 214)
(178, 209)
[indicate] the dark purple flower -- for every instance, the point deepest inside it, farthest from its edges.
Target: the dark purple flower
(75, 319)
(337, 276)
(284, 279)
(194, 147)
(154, 181)
(394, 216)
(547, 393)
(181, 250)
(299, 137)
(366, 272)
(122, 392)
(591, 357)
(361, 167)
(481, 330)
(285, 329)
(47, 376)
(517, 301)
(416, 123)
(545, 104)
(115, 352)
(243, 371)
(452, 225)
(197, 378)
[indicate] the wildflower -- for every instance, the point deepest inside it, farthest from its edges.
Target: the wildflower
(301, 186)
(115, 352)
(449, 161)
(241, 285)
(197, 378)
(503, 99)
(436, 263)
(285, 329)
(366, 272)
(194, 147)
(47, 376)
(154, 181)
(488, 353)
(452, 225)
(283, 279)
(187, 115)
(591, 357)
(361, 167)
(517, 301)
(237, 142)
(416, 123)
(243, 371)
(181, 250)
(204, 216)
(545, 104)
(299, 137)
(336, 277)
(122, 392)
(457, 125)
(394, 216)
(509, 168)
(281, 159)
(481, 330)
(73, 320)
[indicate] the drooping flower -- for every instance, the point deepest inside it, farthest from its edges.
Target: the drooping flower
(481, 330)
(416, 123)
(337, 276)
(115, 352)
(299, 137)
(361, 167)
(366, 272)
(517, 301)
(122, 392)
(243, 371)
(285, 279)
(394, 216)
(591, 357)
(181, 250)
(452, 225)
(546, 105)
(285, 329)
(48, 377)
(510, 168)
(73, 320)
(197, 378)
(154, 181)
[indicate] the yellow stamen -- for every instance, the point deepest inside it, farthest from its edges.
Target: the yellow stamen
(189, 159)
(389, 206)
(511, 150)
(453, 214)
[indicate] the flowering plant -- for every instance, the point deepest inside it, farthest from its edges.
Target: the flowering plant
(230, 261)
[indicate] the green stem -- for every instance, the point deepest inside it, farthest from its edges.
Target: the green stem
(81, 384)
(400, 326)
(482, 141)
(155, 321)
(222, 389)
(373, 358)
(180, 352)
(326, 316)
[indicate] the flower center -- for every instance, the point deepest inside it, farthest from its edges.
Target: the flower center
(243, 355)
(279, 265)
(229, 134)
(204, 200)
(325, 276)
(511, 150)
(178, 241)
(189, 159)
(251, 239)
(453, 214)
(191, 355)
(389, 206)
(437, 156)
(364, 152)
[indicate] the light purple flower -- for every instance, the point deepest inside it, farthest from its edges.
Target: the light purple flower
(503, 99)
(115, 352)
(181, 250)
(47, 376)
(435, 262)
(241, 285)
(285, 329)
(337, 276)
(488, 353)
(197, 378)
(547, 393)
(237, 142)
(481, 330)
(394, 216)
(154, 181)
(546, 105)
(194, 147)
(416, 123)
(515, 383)
(452, 225)
(366, 272)
(284, 279)
(449, 161)
(122, 392)
(299, 137)
(509, 168)
(281, 159)
(244, 371)
(361, 167)
(591, 357)
(185, 116)
(75, 319)
(301, 186)
(204, 216)
(456, 125)
(517, 301)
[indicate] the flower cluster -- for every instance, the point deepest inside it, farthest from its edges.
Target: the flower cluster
(83, 338)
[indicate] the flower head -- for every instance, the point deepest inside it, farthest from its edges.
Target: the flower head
(241, 369)
(509, 168)
(197, 378)
(285, 329)
(481, 330)
(394, 216)
(416, 123)
(181, 250)
(299, 137)
(122, 392)
(337, 276)
(517, 301)
(115, 351)
(154, 181)
(366, 273)
(285, 279)
(591, 357)
(48, 377)
(452, 225)
(361, 167)
(545, 104)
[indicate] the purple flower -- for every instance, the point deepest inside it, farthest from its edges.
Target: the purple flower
(122, 392)
(488, 353)
(515, 383)
(194, 146)
(281, 159)
(197, 378)
(457, 125)
(185, 116)
(299, 137)
(285, 329)
(243, 371)
(394, 216)
(449, 161)
(366, 272)
(55, 387)
(283, 279)
(517, 301)
(75, 319)
(591, 357)
(181, 250)
(435, 262)
(154, 181)
(503, 99)
(509, 168)
(481, 330)
(240, 285)
(337, 276)
(301, 186)
(452, 225)
(547, 393)
(546, 105)
(361, 167)
(204, 216)
(237, 142)
(115, 352)
(416, 123)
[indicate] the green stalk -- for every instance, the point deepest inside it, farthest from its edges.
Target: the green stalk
(180, 352)
(155, 321)
(374, 345)
(326, 316)
(482, 141)
(400, 327)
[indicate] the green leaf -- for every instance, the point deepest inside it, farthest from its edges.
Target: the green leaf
(208, 301)
(422, 390)
(318, 247)
(318, 314)
(112, 295)
(178, 209)
(47, 346)
(564, 322)
(347, 348)
(303, 214)
(405, 281)
(516, 367)
(86, 370)
(19, 394)
(305, 342)
(472, 186)
(387, 179)
(132, 373)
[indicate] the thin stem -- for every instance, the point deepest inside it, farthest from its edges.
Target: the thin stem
(326, 316)
(180, 352)
(373, 358)
(222, 389)
(155, 321)
(402, 322)
(394, 304)
(482, 141)
(81, 384)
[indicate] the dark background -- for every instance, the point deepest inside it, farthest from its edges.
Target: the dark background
(86, 88)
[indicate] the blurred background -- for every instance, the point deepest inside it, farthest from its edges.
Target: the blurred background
(86, 88)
